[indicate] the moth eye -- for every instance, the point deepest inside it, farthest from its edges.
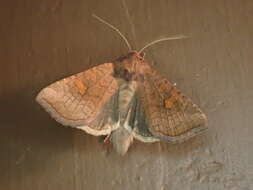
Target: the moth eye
(125, 71)
(142, 54)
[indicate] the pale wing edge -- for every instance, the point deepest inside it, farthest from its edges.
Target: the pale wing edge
(72, 123)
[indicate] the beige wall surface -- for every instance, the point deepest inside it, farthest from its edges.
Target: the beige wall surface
(44, 41)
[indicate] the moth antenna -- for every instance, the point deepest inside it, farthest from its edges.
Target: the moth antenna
(161, 40)
(115, 29)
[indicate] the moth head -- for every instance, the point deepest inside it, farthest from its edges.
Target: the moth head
(126, 67)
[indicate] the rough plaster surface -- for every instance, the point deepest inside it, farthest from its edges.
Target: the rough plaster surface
(43, 41)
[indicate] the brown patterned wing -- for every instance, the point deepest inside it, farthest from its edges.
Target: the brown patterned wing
(86, 100)
(170, 115)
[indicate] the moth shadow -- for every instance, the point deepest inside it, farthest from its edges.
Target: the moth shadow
(31, 142)
(172, 151)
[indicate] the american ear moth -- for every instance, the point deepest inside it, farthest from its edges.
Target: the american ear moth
(126, 99)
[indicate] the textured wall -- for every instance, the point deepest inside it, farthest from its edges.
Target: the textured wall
(43, 41)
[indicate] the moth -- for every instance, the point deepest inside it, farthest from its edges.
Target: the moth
(125, 100)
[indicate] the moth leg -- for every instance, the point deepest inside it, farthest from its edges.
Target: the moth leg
(107, 138)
